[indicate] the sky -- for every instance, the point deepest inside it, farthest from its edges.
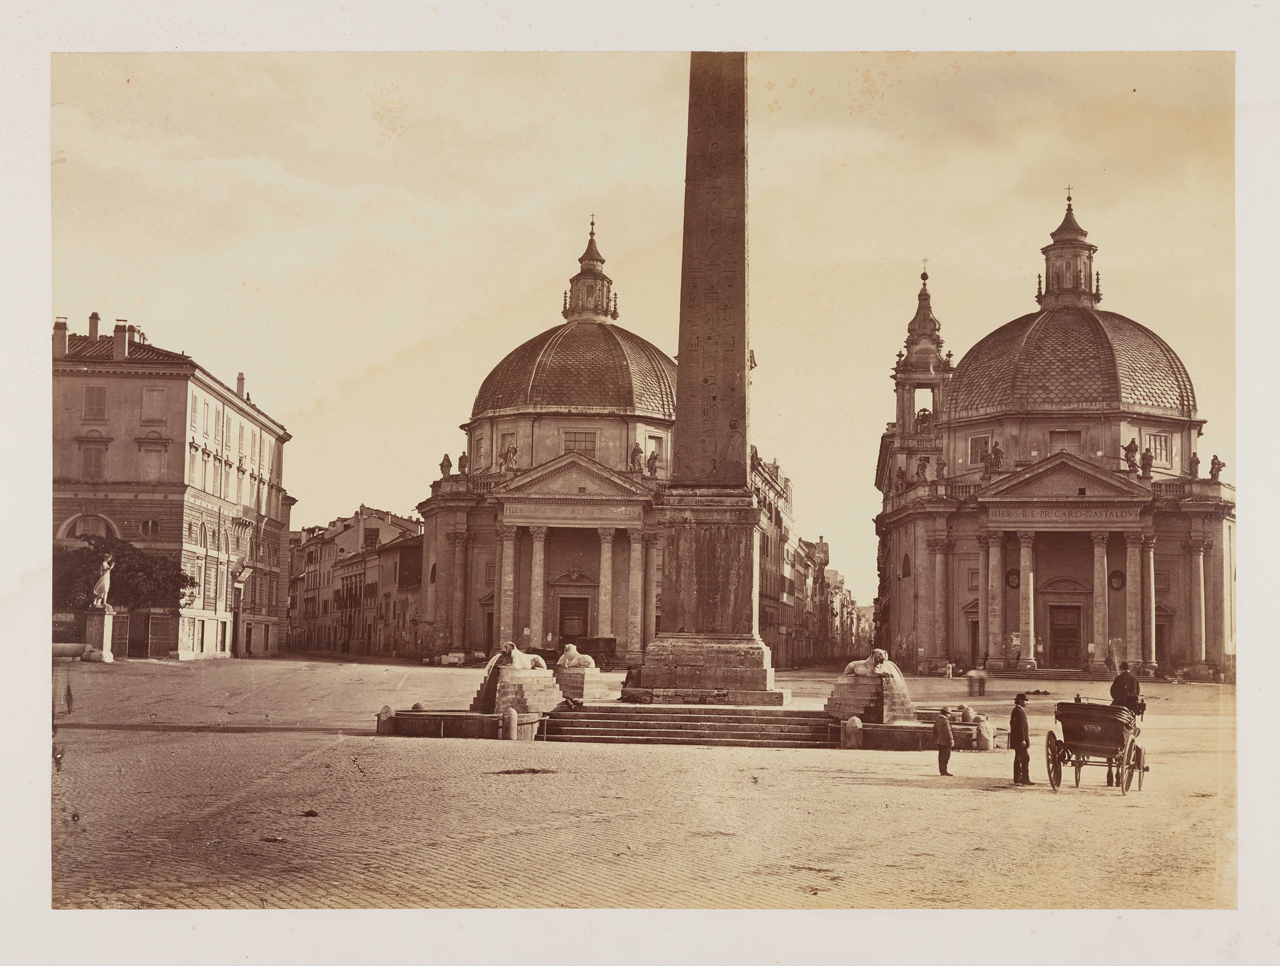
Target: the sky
(365, 236)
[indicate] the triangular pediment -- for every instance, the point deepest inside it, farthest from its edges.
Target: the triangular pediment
(1063, 476)
(572, 475)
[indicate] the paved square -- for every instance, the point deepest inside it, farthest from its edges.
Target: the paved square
(259, 784)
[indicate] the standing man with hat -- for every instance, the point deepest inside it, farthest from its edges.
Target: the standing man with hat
(1125, 689)
(1020, 741)
(942, 734)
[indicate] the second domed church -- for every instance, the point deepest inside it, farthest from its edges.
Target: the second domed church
(1044, 503)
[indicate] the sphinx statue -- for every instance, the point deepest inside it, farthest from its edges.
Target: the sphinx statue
(572, 657)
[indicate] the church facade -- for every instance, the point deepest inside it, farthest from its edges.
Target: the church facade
(1044, 502)
(547, 530)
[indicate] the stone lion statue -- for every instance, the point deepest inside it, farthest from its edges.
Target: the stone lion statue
(868, 666)
(572, 657)
(511, 656)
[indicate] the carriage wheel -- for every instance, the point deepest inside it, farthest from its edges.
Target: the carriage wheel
(1053, 760)
(1127, 759)
(1079, 769)
(1142, 766)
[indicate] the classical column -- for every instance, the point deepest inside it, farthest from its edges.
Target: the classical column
(457, 629)
(604, 609)
(1026, 598)
(940, 547)
(1100, 592)
(1149, 602)
(654, 544)
(984, 594)
(507, 589)
(1196, 550)
(537, 585)
(1133, 597)
(635, 596)
(995, 596)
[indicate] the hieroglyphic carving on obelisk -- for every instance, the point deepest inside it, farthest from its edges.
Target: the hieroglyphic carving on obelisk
(709, 444)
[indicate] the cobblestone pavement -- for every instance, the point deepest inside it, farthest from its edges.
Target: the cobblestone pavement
(259, 784)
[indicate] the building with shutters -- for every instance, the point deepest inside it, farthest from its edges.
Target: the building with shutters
(1044, 500)
(152, 448)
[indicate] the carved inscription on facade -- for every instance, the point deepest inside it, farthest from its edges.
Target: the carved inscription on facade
(709, 442)
(1061, 517)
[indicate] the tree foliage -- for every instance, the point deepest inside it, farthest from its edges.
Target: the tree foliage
(139, 579)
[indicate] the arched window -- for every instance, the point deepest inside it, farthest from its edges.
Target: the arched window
(433, 574)
(906, 565)
(226, 542)
(204, 538)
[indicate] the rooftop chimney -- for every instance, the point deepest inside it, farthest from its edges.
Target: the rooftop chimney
(240, 384)
(133, 335)
(120, 344)
(60, 337)
(93, 327)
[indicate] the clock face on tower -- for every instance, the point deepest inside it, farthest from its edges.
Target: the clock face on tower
(1013, 578)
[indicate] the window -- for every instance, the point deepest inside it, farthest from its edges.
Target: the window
(195, 404)
(1065, 441)
(204, 474)
(239, 488)
(655, 446)
(253, 446)
(217, 425)
(206, 419)
(217, 480)
(1158, 443)
(95, 402)
(906, 565)
(242, 437)
(150, 528)
(584, 443)
(978, 448)
(226, 482)
(191, 474)
(508, 441)
(477, 451)
(153, 405)
(152, 464)
(433, 574)
(88, 527)
(93, 461)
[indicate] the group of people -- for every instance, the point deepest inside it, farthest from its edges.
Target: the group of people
(1125, 692)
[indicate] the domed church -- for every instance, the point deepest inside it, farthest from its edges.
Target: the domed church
(547, 525)
(1044, 502)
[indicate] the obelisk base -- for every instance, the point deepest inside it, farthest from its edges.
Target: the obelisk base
(681, 669)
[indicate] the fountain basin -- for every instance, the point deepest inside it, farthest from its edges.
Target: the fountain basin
(453, 724)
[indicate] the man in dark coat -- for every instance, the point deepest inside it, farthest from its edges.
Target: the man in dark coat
(1125, 690)
(1020, 741)
(942, 734)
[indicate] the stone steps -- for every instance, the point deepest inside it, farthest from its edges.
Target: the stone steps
(695, 725)
(1050, 674)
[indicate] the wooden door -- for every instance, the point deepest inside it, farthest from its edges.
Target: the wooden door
(574, 612)
(1064, 637)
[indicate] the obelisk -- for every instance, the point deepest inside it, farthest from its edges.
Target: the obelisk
(709, 650)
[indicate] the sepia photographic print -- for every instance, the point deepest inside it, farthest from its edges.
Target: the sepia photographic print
(644, 481)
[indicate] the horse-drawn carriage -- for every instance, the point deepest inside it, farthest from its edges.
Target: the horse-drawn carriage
(1094, 733)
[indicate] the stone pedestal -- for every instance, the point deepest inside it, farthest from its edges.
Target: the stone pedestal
(583, 684)
(868, 699)
(97, 634)
(528, 691)
(1199, 672)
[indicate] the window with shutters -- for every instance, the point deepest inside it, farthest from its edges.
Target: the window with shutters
(153, 405)
(195, 407)
(95, 402)
(93, 463)
(217, 425)
(206, 419)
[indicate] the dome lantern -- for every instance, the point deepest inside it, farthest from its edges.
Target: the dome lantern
(590, 295)
(1068, 266)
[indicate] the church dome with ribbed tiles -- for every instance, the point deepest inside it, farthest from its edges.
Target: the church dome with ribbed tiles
(588, 365)
(1074, 358)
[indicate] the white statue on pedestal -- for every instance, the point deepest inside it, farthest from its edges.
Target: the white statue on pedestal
(103, 586)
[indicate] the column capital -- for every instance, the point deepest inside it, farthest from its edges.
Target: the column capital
(984, 539)
(1133, 538)
(506, 532)
(538, 533)
(1148, 541)
(653, 537)
(1027, 537)
(1194, 546)
(636, 533)
(1100, 537)
(938, 544)
(455, 537)
(606, 534)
